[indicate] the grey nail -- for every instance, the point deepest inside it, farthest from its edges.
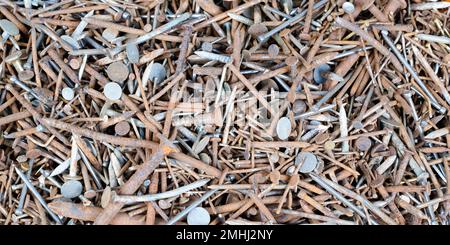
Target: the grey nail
(37, 195)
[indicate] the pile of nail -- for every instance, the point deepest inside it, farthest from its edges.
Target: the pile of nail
(224, 112)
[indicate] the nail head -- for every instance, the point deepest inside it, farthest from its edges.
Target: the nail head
(71, 189)
(329, 145)
(147, 183)
(74, 63)
(274, 157)
(318, 78)
(132, 53)
(112, 91)
(122, 128)
(9, 27)
(284, 128)
(273, 50)
(15, 55)
(67, 93)
(363, 143)
(147, 28)
(299, 107)
(90, 194)
(291, 61)
(26, 75)
(348, 7)
(164, 204)
(157, 72)
(117, 72)
(198, 216)
(21, 158)
(257, 29)
(309, 162)
(110, 34)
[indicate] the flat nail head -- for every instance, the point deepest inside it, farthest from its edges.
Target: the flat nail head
(146, 183)
(299, 107)
(112, 91)
(309, 162)
(117, 72)
(318, 78)
(122, 128)
(71, 189)
(74, 63)
(284, 128)
(348, 7)
(273, 50)
(274, 157)
(198, 216)
(363, 143)
(21, 158)
(291, 61)
(9, 27)
(257, 29)
(67, 93)
(26, 75)
(329, 145)
(132, 53)
(157, 72)
(147, 28)
(164, 204)
(14, 56)
(110, 34)
(89, 194)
